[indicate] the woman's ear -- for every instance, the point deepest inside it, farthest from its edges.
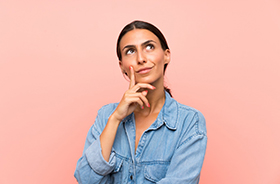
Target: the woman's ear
(166, 56)
(120, 64)
(121, 67)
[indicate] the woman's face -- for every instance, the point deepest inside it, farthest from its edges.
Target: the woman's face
(142, 50)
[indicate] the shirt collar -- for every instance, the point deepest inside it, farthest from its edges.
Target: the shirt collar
(168, 114)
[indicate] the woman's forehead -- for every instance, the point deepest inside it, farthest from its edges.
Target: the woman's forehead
(137, 37)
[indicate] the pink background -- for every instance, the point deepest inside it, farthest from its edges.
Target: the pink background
(58, 67)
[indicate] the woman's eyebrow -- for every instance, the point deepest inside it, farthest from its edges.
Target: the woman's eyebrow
(128, 46)
(145, 43)
(148, 41)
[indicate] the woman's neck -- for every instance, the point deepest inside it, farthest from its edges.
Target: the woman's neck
(156, 100)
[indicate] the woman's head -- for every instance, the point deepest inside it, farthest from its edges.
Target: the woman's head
(129, 36)
(141, 25)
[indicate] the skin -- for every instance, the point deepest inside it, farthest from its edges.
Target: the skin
(143, 59)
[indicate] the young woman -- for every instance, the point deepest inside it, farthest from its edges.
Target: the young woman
(148, 137)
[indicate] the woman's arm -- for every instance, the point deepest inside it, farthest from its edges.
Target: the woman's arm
(108, 135)
(91, 167)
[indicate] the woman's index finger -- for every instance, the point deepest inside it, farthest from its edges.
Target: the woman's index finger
(132, 77)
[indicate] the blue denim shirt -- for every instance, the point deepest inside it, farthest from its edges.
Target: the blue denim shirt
(170, 151)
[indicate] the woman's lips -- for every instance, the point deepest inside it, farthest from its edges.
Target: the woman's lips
(144, 70)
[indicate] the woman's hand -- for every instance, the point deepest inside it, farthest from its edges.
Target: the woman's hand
(132, 98)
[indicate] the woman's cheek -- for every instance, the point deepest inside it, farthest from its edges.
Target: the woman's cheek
(128, 62)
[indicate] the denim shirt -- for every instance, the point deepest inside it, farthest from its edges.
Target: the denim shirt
(170, 151)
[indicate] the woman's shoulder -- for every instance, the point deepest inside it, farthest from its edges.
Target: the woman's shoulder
(185, 109)
(102, 117)
(184, 113)
(189, 109)
(192, 117)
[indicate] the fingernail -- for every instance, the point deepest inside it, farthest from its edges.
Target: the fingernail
(146, 91)
(142, 107)
(130, 67)
(148, 105)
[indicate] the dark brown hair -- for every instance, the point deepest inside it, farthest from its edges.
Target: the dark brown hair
(143, 25)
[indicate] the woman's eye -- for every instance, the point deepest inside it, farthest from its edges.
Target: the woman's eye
(129, 51)
(149, 47)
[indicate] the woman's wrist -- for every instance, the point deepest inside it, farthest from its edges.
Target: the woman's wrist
(114, 118)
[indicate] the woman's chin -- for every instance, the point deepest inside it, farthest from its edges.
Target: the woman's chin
(149, 79)
(144, 80)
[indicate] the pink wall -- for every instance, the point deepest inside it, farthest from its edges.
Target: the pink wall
(58, 67)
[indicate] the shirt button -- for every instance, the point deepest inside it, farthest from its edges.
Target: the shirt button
(131, 177)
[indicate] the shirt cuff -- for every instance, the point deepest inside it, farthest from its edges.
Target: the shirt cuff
(96, 161)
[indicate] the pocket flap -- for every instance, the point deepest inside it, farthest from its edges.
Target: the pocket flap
(155, 172)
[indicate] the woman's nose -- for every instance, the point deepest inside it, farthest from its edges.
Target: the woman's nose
(141, 57)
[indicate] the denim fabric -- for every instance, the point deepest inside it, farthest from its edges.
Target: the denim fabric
(170, 151)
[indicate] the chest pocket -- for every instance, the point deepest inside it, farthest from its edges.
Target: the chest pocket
(116, 175)
(155, 172)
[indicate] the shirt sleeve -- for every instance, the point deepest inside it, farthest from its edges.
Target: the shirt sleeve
(187, 160)
(91, 167)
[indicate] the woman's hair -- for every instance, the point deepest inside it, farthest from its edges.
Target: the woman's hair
(143, 25)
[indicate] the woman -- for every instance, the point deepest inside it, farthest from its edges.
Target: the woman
(147, 137)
